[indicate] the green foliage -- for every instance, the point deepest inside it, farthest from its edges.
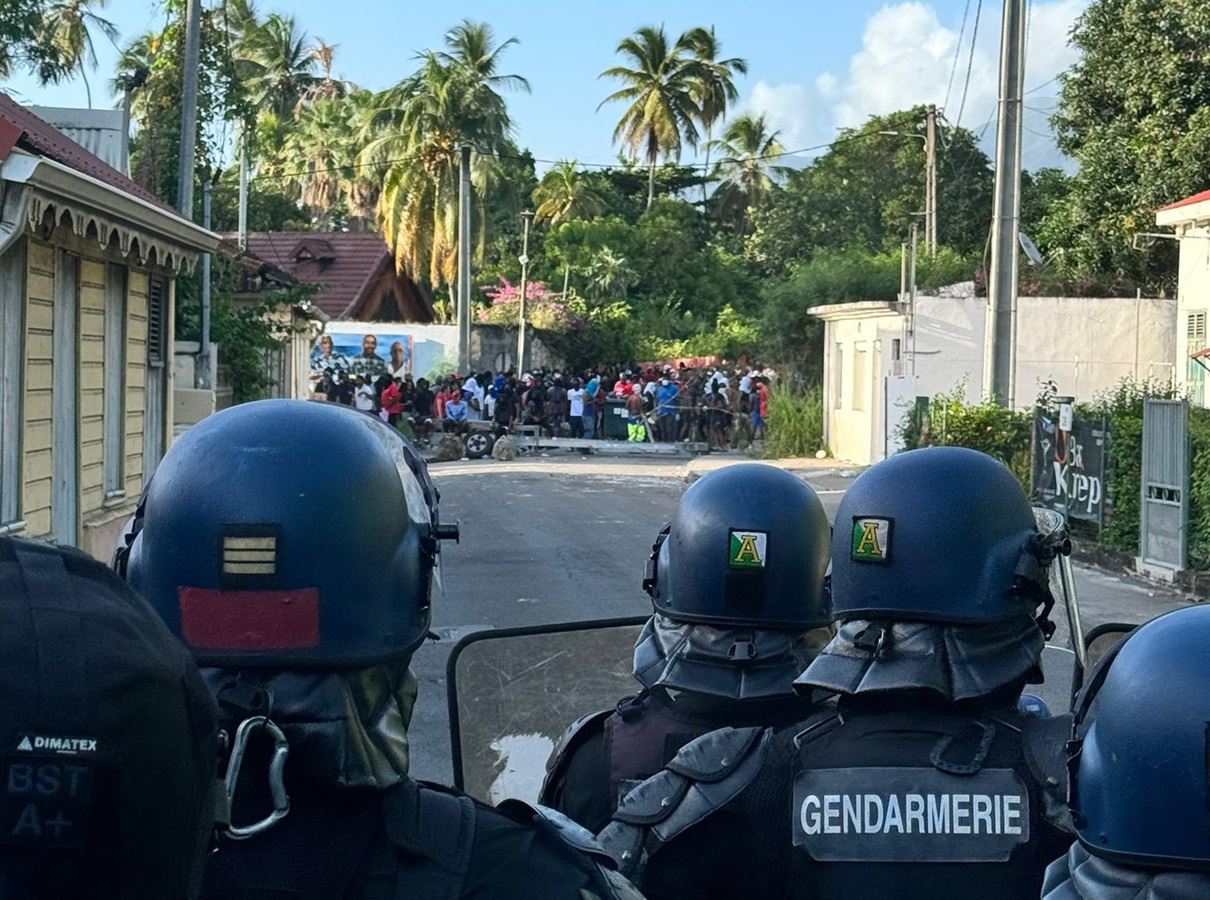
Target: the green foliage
(791, 335)
(986, 427)
(795, 426)
(1135, 113)
(866, 190)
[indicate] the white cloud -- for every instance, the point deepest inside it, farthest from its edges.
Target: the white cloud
(787, 108)
(906, 58)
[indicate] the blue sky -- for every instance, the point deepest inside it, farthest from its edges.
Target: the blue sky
(815, 65)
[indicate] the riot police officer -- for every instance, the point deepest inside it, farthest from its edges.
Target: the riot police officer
(110, 737)
(1139, 785)
(924, 780)
(293, 548)
(740, 608)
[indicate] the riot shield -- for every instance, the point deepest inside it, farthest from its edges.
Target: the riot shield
(513, 692)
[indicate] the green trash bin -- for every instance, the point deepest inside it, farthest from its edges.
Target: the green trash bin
(615, 419)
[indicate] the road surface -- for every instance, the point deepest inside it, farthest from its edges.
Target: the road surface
(560, 539)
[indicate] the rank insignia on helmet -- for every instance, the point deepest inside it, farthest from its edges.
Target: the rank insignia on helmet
(871, 539)
(748, 549)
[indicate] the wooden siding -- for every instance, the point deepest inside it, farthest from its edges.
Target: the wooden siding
(136, 376)
(39, 363)
(38, 405)
(92, 385)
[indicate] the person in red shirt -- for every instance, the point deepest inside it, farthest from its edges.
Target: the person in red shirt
(439, 401)
(760, 409)
(392, 402)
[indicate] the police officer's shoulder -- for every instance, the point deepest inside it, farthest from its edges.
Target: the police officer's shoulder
(1044, 744)
(701, 778)
(608, 883)
(578, 733)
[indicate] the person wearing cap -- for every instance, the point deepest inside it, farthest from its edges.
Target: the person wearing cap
(739, 609)
(310, 663)
(110, 737)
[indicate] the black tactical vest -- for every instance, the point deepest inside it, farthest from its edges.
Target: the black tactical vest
(922, 804)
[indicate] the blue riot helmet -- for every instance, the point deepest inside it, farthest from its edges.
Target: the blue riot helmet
(288, 534)
(939, 579)
(748, 545)
(1139, 782)
(736, 580)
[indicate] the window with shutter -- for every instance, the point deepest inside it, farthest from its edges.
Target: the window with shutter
(156, 321)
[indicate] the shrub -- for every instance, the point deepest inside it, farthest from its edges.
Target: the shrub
(795, 426)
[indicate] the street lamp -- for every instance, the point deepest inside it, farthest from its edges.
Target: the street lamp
(526, 217)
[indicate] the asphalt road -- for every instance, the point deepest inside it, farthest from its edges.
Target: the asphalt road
(557, 540)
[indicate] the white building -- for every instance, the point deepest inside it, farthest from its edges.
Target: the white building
(1191, 219)
(875, 366)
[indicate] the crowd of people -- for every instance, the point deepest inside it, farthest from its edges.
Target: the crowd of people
(724, 407)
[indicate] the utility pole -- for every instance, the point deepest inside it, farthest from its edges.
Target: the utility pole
(1000, 344)
(930, 204)
(526, 217)
(193, 49)
(464, 260)
(910, 349)
(242, 225)
(205, 340)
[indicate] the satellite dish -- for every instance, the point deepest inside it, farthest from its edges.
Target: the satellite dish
(1031, 249)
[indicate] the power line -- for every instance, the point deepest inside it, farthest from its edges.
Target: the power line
(1046, 83)
(970, 63)
(957, 53)
(274, 176)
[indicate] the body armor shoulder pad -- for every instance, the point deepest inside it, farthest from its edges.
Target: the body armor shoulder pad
(434, 822)
(714, 756)
(710, 772)
(610, 885)
(555, 824)
(578, 733)
(1044, 742)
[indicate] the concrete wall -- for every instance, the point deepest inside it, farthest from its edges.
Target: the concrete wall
(494, 347)
(856, 353)
(1193, 312)
(1085, 345)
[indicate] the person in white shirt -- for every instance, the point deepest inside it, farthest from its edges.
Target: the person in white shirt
(473, 395)
(363, 396)
(575, 407)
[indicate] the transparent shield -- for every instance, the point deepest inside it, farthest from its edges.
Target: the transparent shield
(1059, 668)
(513, 692)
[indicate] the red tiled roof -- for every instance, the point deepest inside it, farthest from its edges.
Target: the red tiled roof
(42, 138)
(1188, 201)
(356, 260)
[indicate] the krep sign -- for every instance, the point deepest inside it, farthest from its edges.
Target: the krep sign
(1068, 467)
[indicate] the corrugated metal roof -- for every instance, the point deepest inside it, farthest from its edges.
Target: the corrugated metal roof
(99, 131)
(41, 137)
(1188, 201)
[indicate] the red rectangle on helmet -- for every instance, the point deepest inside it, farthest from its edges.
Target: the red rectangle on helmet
(249, 620)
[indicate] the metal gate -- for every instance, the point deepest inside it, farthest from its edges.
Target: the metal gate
(1163, 531)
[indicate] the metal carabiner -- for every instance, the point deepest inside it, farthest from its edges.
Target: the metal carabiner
(277, 785)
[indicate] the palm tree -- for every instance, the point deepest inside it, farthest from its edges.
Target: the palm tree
(132, 70)
(316, 156)
(564, 195)
(714, 88)
(414, 131)
(610, 274)
(66, 28)
(282, 66)
(325, 87)
(659, 86)
(747, 150)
